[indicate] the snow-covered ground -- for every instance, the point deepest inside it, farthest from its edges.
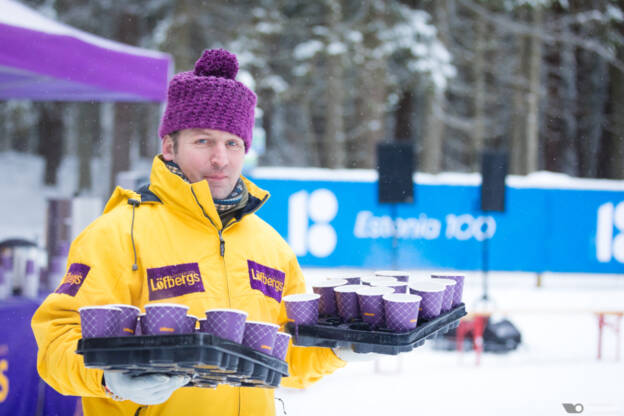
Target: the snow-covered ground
(556, 363)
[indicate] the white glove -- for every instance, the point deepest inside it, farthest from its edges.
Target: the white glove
(348, 355)
(146, 389)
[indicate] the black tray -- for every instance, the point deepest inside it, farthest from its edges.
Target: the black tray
(333, 332)
(207, 359)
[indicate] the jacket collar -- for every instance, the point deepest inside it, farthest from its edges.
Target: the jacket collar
(193, 199)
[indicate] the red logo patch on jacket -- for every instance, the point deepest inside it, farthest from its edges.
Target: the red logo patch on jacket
(74, 278)
(172, 281)
(267, 280)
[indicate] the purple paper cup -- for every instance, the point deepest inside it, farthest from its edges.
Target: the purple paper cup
(128, 319)
(459, 288)
(431, 294)
(164, 318)
(99, 321)
(398, 287)
(351, 280)
(449, 293)
(260, 336)
(401, 276)
(281, 345)
(368, 280)
(188, 325)
(225, 323)
(347, 302)
(327, 302)
(302, 308)
(355, 280)
(401, 311)
(370, 300)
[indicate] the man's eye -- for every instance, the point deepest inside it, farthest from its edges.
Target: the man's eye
(201, 141)
(233, 143)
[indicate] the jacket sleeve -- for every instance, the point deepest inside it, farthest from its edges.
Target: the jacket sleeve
(306, 365)
(99, 272)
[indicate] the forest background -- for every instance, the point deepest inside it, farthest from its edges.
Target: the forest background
(540, 79)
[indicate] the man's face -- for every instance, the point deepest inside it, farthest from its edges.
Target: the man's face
(213, 155)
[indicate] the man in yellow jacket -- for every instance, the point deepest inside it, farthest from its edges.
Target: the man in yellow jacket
(197, 215)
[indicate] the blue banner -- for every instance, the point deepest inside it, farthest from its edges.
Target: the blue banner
(340, 223)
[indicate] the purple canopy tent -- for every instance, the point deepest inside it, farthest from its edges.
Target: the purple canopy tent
(41, 59)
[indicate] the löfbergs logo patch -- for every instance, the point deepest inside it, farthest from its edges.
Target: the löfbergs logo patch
(172, 281)
(267, 280)
(74, 278)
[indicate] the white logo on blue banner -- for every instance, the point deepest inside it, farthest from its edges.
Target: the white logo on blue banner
(609, 246)
(460, 227)
(319, 207)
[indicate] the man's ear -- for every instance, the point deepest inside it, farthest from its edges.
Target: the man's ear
(168, 148)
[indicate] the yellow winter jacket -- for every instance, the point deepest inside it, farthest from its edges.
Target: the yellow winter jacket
(175, 229)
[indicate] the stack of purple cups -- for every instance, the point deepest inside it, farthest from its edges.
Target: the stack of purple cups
(401, 311)
(224, 323)
(399, 275)
(302, 308)
(282, 341)
(260, 336)
(432, 295)
(120, 320)
(167, 318)
(327, 301)
(372, 300)
(459, 287)
(449, 292)
(100, 321)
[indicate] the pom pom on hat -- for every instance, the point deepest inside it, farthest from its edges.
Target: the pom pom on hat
(217, 63)
(210, 97)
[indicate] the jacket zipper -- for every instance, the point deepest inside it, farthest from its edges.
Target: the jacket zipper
(220, 230)
(222, 251)
(221, 244)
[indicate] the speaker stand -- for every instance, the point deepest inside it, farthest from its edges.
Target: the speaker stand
(395, 238)
(485, 268)
(485, 303)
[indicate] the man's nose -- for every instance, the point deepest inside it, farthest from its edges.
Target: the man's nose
(218, 156)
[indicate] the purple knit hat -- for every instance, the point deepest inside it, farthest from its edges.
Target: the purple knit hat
(209, 97)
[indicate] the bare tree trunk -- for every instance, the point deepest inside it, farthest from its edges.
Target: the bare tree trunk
(478, 132)
(50, 128)
(266, 97)
(433, 133)
(611, 156)
(532, 114)
(518, 148)
(370, 110)
(89, 131)
(127, 32)
(143, 123)
(122, 135)
(334, 137)
(180, 35)
(431, 155)
(593, 71)
(371, 101)
(403, 130)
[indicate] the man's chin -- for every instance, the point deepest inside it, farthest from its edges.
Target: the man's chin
(218, 193)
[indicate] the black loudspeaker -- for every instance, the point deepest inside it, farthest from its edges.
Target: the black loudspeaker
(494, 166)
(395, 165)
